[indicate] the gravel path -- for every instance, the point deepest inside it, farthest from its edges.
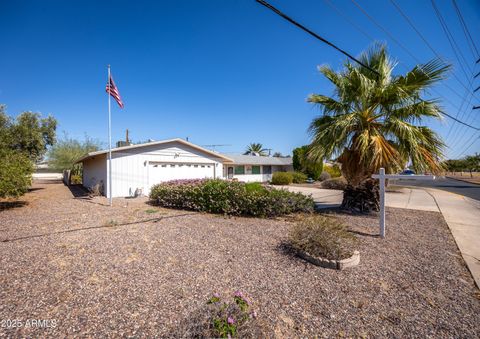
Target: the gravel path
(137, 270)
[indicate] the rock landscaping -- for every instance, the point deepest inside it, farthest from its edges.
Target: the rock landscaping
(123, 271)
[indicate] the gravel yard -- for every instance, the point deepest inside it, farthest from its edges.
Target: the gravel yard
(138, 270)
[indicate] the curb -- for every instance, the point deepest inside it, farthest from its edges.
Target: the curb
(354, 260)
(463, 180)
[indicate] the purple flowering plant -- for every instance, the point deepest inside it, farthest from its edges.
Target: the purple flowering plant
(228, 318)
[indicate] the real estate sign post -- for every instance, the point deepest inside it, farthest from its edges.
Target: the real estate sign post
(381, 177)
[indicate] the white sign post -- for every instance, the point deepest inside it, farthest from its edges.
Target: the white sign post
(381, 177)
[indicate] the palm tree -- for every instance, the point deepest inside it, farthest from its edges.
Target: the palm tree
(255, 149)
(375, 120)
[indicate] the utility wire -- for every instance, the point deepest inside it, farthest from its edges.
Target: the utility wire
(452, 42)
(266, 4)
(410, 22)
(470, 41)
(403, 47)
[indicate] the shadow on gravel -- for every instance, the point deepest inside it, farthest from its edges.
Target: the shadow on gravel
(106, 225)
(8, 205)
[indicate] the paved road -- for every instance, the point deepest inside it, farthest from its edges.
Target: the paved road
(450, 185)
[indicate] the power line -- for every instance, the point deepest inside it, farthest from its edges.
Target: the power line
(465, 29)
(403, 47)
(323, 40)
(451, 41)
(468, 147)
(275, 10)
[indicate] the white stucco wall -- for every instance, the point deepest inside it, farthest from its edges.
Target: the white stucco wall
(95, 171)
(133, 168)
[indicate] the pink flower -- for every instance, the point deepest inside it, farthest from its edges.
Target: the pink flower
(238, 294)
(230, 320)
(216, 295)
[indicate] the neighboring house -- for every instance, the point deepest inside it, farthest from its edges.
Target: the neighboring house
(144, 165)
(250, 168)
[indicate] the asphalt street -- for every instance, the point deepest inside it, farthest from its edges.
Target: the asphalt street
(450, 185)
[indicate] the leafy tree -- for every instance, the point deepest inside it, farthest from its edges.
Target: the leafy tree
(29, 133)
(277, 155)
(472, 163)
(23, 141)
(255, 148)
(66, 151)
(374, 120)
(302, 163)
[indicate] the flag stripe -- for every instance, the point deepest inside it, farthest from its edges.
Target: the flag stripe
(113, 91)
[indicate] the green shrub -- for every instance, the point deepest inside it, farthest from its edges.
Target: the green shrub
(229, 197)
(282, 178)
(335, 183)
(323, 237)
(15, 173)
(333, 170)
(298, 177)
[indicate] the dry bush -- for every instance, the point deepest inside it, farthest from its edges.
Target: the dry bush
(323, 237)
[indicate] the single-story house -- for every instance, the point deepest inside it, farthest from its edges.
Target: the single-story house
(139, 167)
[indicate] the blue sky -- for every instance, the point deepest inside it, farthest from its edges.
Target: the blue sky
(220, 72)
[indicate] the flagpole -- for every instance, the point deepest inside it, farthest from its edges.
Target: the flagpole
(109, 142)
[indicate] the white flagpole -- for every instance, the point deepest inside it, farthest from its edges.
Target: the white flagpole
(109, 142)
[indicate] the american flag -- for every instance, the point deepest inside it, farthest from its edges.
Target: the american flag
(113, 91)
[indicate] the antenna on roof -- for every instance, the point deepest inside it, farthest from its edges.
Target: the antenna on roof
(212, 147)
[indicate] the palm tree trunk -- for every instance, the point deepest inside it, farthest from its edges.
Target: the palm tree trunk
(364, 198)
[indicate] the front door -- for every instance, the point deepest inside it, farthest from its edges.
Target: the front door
(230, 172)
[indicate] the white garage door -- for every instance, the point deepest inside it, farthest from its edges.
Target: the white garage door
(159, 172)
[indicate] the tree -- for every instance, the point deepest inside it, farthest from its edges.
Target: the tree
(277, 155)
(29, 133)
(302, 163)
(23, 141)
(255, 149)
(472, 163)
(374, 120)
(65, 152)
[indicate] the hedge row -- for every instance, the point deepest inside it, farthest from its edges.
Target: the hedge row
(229, 197)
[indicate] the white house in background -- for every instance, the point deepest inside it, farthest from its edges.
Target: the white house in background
(144, 165)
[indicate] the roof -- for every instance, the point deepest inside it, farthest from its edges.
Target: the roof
(154, 143)
(259, 160)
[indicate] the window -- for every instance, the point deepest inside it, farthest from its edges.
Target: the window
(202, 166)
(239, 169)
(195, 165)
(172, 165)
(164, 165)
(267, 169)
(255, 169)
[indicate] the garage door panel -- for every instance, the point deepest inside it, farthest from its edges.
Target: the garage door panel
(174, 171)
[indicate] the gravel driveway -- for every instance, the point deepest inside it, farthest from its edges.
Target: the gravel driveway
(137, 270)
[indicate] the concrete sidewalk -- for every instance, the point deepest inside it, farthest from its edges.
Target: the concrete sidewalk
(462, 215)
(405, 197)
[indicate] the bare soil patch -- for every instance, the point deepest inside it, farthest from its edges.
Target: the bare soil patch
(128, 271)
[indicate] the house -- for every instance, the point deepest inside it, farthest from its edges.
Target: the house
(139, 167)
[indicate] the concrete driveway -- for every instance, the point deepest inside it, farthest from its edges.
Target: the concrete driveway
(405, 197)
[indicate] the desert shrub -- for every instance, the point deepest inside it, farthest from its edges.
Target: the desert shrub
(282, 178)
(335, 183)
(222, 318)
(75, 179)
(299, 177)
(333, 170)
(15, 173)
(323, 237)
(229, 197)
(325, 176)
